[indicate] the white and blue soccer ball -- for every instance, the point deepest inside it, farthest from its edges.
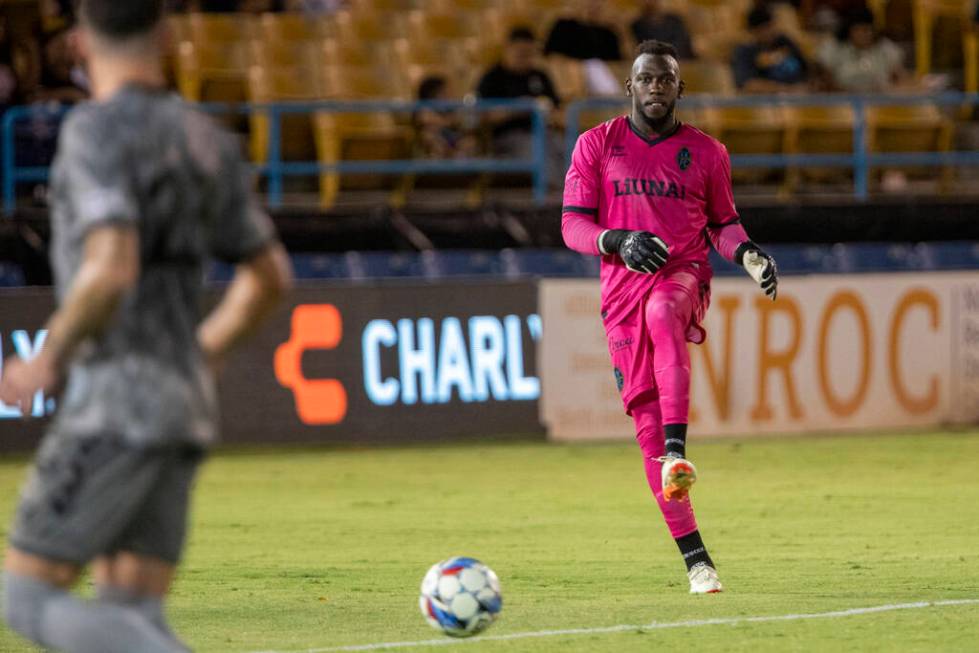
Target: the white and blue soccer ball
(460, 596)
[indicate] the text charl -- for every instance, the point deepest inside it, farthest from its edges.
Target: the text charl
(476, 360)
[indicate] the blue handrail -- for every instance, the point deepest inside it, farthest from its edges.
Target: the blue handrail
(276, 170)
(861, 160)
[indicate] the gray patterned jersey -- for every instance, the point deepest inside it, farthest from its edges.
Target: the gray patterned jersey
(145, 158)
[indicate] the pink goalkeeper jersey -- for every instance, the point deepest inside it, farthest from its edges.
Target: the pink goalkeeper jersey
(677, 187)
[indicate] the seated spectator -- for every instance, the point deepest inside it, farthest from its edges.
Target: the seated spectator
(441, 132)
(655, 24)
(771, 62)
(588, 38)
(63, 78)
(516, 76)
(861, 61)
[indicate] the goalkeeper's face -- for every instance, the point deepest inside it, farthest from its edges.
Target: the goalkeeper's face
(655, 86)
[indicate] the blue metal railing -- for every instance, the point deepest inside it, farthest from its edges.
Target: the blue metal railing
(860, 159)
(276, 170)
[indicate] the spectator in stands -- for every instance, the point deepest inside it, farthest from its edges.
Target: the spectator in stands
(861, 61)
(63, 78)
(12, 57)
(441, 132)
(655, 24)
(517, 76)
(586, 38)
(771, 62)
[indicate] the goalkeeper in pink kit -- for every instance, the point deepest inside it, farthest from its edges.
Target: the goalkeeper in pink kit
(650, 195)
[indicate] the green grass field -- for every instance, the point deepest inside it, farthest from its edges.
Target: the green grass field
(314, 549)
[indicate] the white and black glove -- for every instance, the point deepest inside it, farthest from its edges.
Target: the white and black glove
(641, 251)
(760, 266)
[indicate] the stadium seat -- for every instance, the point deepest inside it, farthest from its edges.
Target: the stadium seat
(706, 76)
(909, 128)
(357, 136)
(291, 28)
(282, 85)
(818, 130)
(363, 82)
(568, 76)
(212, 72)
(750, 130)
(377, 26)
(379, 6)
(298, 55)
(423, 25)
(925, 13)
(345, 51)
(221, 28)
(970, 57)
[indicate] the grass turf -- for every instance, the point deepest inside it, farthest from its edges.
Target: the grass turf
(293, 550)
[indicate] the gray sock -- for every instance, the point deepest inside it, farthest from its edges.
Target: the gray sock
(151, 607)
(55, 619)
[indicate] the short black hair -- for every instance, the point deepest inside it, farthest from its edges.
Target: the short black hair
(759, 16)
(121, 19)
(521, 34)
(656, 48)
(430, 87)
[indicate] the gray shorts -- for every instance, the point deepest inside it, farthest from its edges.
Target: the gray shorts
(94, 495)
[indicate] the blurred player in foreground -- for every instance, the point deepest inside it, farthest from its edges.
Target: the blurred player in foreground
(144, 190)
(650, 194)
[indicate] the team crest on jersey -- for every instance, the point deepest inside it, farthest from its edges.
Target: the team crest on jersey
(683, 158)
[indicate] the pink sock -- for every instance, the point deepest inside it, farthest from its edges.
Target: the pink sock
(645, 411)
(669, 309)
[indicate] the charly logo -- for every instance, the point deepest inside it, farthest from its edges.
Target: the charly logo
(619, 379)
(683, 158)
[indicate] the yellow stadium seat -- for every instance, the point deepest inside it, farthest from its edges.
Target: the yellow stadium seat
(364, 82)
(910, 128)
(457, 52)
(290, 28)
(925, 12)
(269, 53)
(212, 72)
(454, 25)
(379, 6)
(818, 130)
(706, 76)
(352, 137)
(568, 77)
(353, 52)
(221, 28)
(750, 130)
(178, 28)
(267, 85)
(970, 56)
(369, 26)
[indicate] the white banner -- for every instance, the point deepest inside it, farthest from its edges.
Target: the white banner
(833, 353)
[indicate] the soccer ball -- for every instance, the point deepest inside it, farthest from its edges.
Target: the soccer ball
(460, 597)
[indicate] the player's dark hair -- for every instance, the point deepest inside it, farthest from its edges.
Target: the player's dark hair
(656, 48)
(759, 16)
(121, 20)
(518, 34)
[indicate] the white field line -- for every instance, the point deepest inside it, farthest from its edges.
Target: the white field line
(694, 623)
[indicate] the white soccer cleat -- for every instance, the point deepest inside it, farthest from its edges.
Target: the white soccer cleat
(679, 475)
(704, 580)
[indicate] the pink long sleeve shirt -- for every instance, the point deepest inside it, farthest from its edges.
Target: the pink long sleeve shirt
(677, 186)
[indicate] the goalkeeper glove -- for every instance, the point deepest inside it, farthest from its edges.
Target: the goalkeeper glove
(760, 266)
(641, 251)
